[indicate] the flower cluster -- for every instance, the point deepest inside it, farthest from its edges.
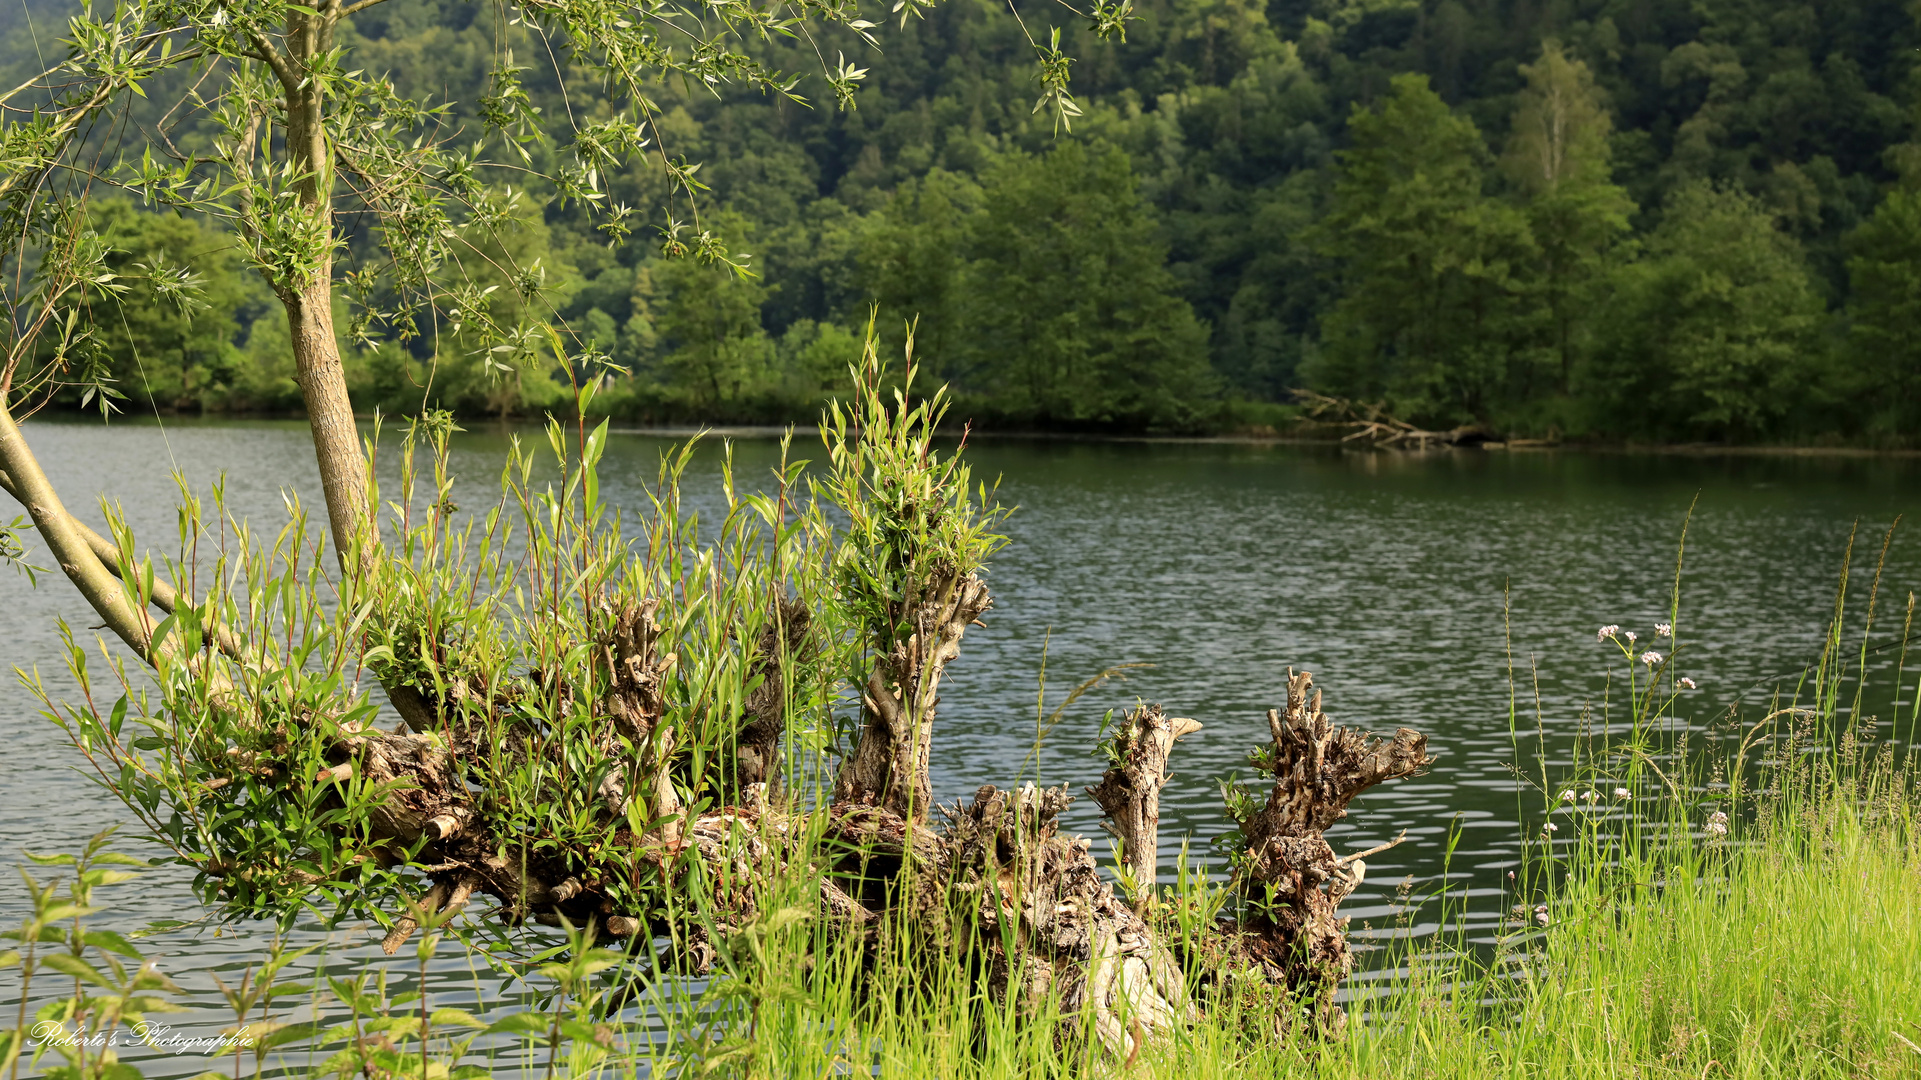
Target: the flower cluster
(1606, 632)
(1717, 824)
(1650, 658)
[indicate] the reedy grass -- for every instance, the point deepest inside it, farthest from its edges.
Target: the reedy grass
(1750, 908)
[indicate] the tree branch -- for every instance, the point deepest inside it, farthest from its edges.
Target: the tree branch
(63, 536)
(164, 596)
(289, 78)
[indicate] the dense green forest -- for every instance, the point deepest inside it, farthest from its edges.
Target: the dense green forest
(1608, 219)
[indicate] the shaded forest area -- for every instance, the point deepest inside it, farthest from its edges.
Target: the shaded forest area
(1607, 219)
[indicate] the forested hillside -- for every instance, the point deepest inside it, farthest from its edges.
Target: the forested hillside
(1628, 219)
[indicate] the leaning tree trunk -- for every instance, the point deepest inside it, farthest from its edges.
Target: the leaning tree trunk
(68, 540)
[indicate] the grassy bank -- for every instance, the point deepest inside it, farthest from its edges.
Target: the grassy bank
(1647, 944)
(1740, 898)
(1790, 947)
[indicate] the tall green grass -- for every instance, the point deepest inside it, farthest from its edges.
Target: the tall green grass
(1748, 905)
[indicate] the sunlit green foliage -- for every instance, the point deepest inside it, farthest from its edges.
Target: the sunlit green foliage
(1232, 118)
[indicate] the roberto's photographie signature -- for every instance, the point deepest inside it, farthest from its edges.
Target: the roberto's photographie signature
(140, 1033)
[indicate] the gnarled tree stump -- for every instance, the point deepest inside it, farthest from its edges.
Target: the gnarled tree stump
(1296, 939)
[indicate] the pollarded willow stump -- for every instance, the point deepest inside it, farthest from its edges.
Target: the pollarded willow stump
(1290, 879)
(1129, 793)
(889, 766)
(1014, 879)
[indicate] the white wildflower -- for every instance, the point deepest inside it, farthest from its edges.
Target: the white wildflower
(1717, 824)
(1687, 683)
(1631, 636)
(1592, 797)
(1662, 629)
(1606, 632)
(1552, 827)
(1621, 793)
(1540, 915)
(1650, 658)
(1567, 796)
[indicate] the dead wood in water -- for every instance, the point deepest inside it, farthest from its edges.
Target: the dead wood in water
(1370, 422)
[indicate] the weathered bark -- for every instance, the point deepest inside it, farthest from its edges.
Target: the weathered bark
(1297, 939)
(330, 415)
(304, 265)
(757, 748)
(635, 668)
(1129, 793)
(889, 766)
(445, 896)
(1009, 869)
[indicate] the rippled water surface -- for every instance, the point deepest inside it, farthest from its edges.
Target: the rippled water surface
(1221, 565)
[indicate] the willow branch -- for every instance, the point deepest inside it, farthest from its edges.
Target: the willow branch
(164, 596)
(289, 78)
(69, 545)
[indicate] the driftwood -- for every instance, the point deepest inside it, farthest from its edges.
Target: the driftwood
(1370, 422)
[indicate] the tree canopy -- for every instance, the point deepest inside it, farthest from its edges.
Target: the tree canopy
(1267, 159)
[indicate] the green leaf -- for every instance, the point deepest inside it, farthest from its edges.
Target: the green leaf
(78, 968)
(459, 1017)
(111, 942)
(522, 1023)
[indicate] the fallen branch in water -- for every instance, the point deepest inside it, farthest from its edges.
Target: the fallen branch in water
(1371, 422)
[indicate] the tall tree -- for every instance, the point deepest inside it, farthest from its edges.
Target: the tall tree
(1428, 261)
(1071, 317)
(1884, 308)
(1558, 156)
(1711, 334)
(912, 257)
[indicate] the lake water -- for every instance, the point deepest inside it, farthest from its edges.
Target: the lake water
(1389, 575)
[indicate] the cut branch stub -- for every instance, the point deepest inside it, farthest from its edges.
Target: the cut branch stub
(1014, 880)
(889, 766)
(1129, 793)
(1318, 770)
(633, 696)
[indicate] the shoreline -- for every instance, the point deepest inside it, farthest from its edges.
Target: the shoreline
(775, 431)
